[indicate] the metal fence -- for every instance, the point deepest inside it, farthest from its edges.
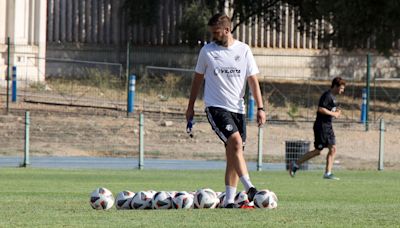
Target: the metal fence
(80, 110)
(76, 83)
(385, 99)
(84, 133)
(78, 132)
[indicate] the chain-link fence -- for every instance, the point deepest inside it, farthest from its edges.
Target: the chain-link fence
(73, 132)
(80, 110)
(79, 83)
(385, 99)
(60, 81)
(85, 133)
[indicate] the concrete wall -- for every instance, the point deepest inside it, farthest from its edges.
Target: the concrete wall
(273, 63)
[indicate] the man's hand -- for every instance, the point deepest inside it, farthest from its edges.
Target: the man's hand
(189, 121)
(189, 114)
(261, 118)
(337, 113)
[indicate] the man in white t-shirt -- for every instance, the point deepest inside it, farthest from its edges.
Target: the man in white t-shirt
(226, 65)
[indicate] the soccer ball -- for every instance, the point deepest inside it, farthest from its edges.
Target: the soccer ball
(172, 193)
(241, 199)
(182, 200)
(221, 200)
(265, 199)
(101, 199)
(123, 200)
(205, 198)
(161, 200)
(142, 200)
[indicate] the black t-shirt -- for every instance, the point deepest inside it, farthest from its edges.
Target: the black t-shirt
(327, 101)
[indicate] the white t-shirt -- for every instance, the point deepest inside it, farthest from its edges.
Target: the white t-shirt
(225, 71)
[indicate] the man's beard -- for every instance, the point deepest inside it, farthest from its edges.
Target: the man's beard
(222, 42)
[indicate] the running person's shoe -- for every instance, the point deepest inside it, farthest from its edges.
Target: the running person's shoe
(331, 177)
(293, 167)
(251, 193)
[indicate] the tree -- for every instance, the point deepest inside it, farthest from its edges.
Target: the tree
(245, 11)
(142, 11)
(357, 22)
(194, 23)
(354, 24)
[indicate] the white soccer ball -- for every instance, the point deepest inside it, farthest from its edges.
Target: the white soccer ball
(101, 199)
(142, 200)
(182, 200)
(123, 200)
(241, 199)
(265, 199)
(161, 200)
(221, 200)
(172, 193)
(205, 198)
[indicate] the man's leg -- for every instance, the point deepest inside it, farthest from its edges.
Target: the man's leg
(330, 158)
(295, 165)
(307, 156)
(319, 141)
(235, 166)
(235, 158)
(231, 129)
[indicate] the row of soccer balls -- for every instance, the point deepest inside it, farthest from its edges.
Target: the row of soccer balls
(102, 199)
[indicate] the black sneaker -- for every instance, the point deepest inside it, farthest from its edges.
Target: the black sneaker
(293, 167)
(331, 177)
(251, 193)
(230, 206)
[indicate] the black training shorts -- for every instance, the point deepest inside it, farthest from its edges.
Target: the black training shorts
(323, 135)
(225, 123)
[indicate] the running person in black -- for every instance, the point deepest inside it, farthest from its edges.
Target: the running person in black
(324, 135)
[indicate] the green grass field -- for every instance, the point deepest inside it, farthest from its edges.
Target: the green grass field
(60, 198)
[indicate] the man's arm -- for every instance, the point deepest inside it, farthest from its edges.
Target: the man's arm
(255, 90)
(330, 113)
(196, 85)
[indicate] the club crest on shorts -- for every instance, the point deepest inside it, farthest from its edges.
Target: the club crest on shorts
(229, 127)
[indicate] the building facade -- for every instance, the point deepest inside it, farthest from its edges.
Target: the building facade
(23, 24)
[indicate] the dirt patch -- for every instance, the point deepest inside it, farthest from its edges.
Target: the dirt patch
(69, 131)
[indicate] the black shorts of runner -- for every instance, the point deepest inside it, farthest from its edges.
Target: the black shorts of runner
(323, 135)
(225, 123)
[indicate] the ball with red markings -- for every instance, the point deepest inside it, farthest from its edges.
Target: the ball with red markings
(265, 199)
(142, 200)
(205, 198)
(123, 200)
(162, 200)
(101, 199)
(182, 200)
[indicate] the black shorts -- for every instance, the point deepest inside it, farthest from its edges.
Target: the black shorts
(225, 123)
(323, 135)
